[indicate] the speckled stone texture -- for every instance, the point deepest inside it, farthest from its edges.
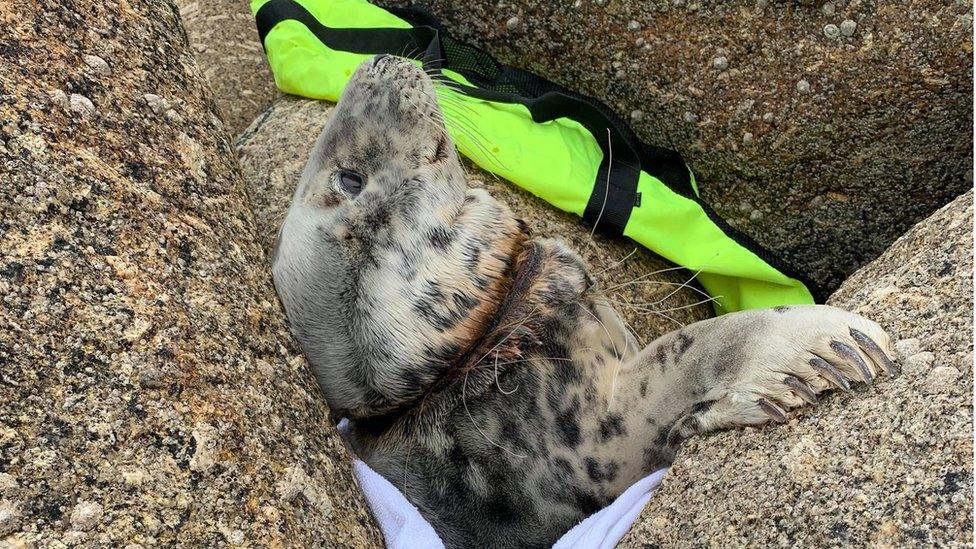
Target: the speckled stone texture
(224, 41)
(275, 148)
(887, 466)
(823, 129)
(150, 393)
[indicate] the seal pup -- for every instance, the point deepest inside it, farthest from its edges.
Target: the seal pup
(482, 372)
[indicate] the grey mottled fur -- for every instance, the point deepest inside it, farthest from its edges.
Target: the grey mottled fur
(483, 373)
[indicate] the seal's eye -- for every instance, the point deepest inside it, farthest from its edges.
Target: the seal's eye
(351, 182)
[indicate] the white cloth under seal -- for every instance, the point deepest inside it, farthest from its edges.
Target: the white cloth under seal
(404, 528)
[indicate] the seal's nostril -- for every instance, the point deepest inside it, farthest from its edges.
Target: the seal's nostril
(379, 58)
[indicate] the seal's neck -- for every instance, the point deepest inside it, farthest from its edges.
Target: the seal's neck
(432, 297)
(498, 326)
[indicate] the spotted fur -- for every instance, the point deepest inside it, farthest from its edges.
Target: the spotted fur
(483, 373)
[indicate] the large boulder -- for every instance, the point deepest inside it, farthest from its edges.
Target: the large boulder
(823, 129)
(150, 392)
(647, 290)
(224, 41)
(886, 466)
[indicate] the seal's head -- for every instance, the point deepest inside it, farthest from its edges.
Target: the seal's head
(385, 135)
(388, 266)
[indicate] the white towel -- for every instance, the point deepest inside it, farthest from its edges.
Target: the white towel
(404, 528)
(400, 521)
(603, 529)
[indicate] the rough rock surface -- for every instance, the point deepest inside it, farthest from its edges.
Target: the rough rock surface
(275, 148)
(823, 129)
(888, 466)
(149, 390)
(225, 43)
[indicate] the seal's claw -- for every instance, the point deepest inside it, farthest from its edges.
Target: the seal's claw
(802, 352)
(827, 370)
(773, 410)
(801, 388)
(874, 352)
(851, 356)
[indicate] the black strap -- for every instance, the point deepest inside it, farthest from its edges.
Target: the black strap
(614, 193)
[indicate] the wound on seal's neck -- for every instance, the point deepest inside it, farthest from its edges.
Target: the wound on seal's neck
(444, 294)
(513, 301)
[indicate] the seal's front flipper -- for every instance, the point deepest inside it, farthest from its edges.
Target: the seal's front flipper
(751, 367)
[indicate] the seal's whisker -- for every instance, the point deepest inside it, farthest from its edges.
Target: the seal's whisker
(662, 283)
(606, 196)
(504, 339)
(634, 333)
(464, 386)
(465, 125)
(467, 131)
(544, 358)
(518, 324)
(413, 51)
(467, 128)
(690, 305)
(533, 359)
(644, 308)
(468, 121)
(615, 264)
(708, 299)
(451, 98)
(425, 114)
(406, 463)
(461, 109)
(685, 284)
(464, 170)
(641, 277)
(499, 385)
(591, 240)
(436, 60)
(432, 110)
(616, 355)
(432, 70)
(455, 110)
(481, 147)
(436, 76)
(668, 317)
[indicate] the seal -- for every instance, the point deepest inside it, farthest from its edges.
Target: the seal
(482, 371)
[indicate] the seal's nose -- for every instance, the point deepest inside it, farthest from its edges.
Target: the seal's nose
(385, 66)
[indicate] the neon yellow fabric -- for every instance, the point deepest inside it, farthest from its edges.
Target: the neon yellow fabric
(556, 160)
(675, 227)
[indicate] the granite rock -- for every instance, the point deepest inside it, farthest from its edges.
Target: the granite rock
(274, 149)
(225, 43)
(870, 127)
(150, 392)
(885, 466)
